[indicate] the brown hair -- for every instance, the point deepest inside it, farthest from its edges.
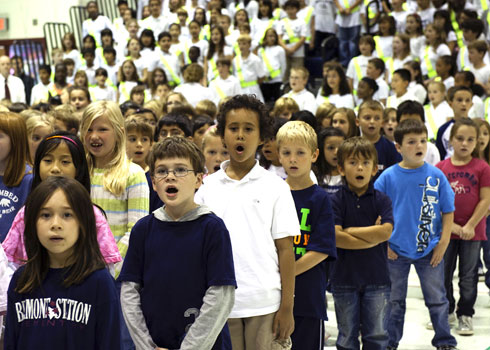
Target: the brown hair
(207, 107)
(14, 126)
(355, 147)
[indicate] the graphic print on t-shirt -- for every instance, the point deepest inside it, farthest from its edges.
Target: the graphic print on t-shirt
(8, 200)
(301, 241)
(430, 195)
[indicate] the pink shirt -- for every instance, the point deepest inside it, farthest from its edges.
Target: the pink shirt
(466, 181)
(16, 252)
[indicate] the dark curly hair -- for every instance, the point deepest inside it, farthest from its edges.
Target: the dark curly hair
(251, 103)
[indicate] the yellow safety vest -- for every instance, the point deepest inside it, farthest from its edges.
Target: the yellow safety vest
(287, 25)
(175, 79)
(238, 66)
(269, 25)
(273, 73)
(205, 33)
(357, 68)
(457, 30)
(277, 14)
(124, 91)
(346, 5)
(371, 13)
(431, 73)
(390, 63)
(487, 102)
(309, 13)
(220, 91)
(379, 49)
(430, 119)
(214, 68)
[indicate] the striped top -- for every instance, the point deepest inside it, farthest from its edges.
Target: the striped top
(125, 210)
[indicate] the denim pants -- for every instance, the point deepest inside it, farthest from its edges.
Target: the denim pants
(348, 43)
(432, 284)
(361, 309)
(468, 253)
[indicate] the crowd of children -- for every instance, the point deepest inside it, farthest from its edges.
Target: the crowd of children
(218, 200)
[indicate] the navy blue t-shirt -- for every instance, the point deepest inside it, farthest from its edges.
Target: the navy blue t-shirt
(317, 234)
(361, 267)
(175, 263)
(84, 316)
(387, 155)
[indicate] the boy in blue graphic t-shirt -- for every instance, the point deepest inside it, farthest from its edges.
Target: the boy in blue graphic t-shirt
(178, 279)
(297, 143)
(423, 207)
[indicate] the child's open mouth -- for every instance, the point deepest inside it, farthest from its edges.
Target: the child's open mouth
(216, 167)
(360, 177)
(56, 239)
(240, 149)
(171, 190)
(95, 145)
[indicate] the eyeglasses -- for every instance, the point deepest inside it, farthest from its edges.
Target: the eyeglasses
(178, 172)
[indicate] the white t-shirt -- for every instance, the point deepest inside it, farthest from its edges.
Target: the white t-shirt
(228, 87)
(325, 13)
(416, 45)
(400, 19)
(383, 89)
(298, 27)
(39, 93)
(95, 27)
(276, 57)
(305, 100)
(482, 74)
(433, 55)
(157, 25)
(427, 16)
(195, 92)
(337, 100)
(362, 62)
(252, 69)
(257, 210)
(385, 46)
(439, 115)
(203, 46)
(105, 94)
(394, 101)
(419, 93)
(352, 20)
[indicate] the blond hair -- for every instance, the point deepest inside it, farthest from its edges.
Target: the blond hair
(284, 103)
(211, 132)
(325, 111)
(299, 132)
(156, 106)
(117, 171)
(35, 119)
(207, 107)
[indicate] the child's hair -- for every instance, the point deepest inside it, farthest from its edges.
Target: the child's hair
(68, 62)
(70, 36)
(45, 67)
(355, 147)
(372, 84)
(154, 107)
(211, 132)
(118, 167)
(164, 35)
(216, 48)
(278, 123)
(292, 3)
(449, 60)
(75, 146)
(244, 27)
(107, 32)
(409, 126)
(387, 112)
(453, 90)
(470, 123)
(440, 85)
(193, 73)
(180, 120)
(303, 70)
(249, 103)
(244, 37)
(207, 107)
(126, 106)
(185, 109)
(177, 147)
(80, 88)
(200, 121)
(87, 50)
(415, 65)
(373, 105)
(66, 116)
(351, 117)
(223, 61)
(14, 126)
(276, 36)
(323, 168)
(35, 119)
(416, 16)
(473, 24)
(149, 34)
(391, 21)
(91, 39)
(284, 103)
(367, 39)
(444, 14)
(135, 124)
(101, 71)
(344, 88)
(18, 107)
(235, 21)
(405, 39)
(404, 74)
(325, 111)
(378, 63)
(86, 256)
(82, 73)
(298, 132)
(478, 45)
(153, 84)
(138, 89)
(134, 76)
(440, 34)
(410, 107)
(305, 116)
(486, 152)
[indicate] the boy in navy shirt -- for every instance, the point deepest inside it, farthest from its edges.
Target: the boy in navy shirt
(297, 143)
(178, 280)
(423, 205)
(360, 281)
(370, 121)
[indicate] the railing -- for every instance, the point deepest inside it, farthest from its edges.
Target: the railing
(32, 54)
(78, 14)
(53, 34)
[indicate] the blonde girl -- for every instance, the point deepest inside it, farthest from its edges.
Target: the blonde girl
(438, 111)
(15, 176)
(435, 47)
(284, 108)
(38, 126)
(118, 186)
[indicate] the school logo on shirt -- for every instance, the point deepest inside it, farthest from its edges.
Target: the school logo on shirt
(58, 309)
(7, 202)
(430, 196)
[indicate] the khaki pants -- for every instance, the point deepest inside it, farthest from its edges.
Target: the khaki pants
(251, 333)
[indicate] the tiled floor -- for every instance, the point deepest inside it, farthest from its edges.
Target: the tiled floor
(416, 336)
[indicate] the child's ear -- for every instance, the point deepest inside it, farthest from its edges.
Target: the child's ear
(375, 169)
(341, 170)
(357, 121)
(199, 178)
(398, 147)
(314, 156)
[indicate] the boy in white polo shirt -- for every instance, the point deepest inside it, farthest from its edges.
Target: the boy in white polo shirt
(259, 212)
(297, 81)
(225, 84)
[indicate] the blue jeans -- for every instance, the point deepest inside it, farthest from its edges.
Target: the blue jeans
(348, 43)
(432, 283)
(468, 253)
(361, 309)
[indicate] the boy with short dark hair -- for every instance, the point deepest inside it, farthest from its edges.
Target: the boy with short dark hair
(297, 147)
(258, 209)
(41, 91)
(399, 84)
(101, 91)
(139, 139)
(360, 280)
(423, 208)
(356, 70)
(173, 124)
(225, 84)
(376, 70)
(110, 65)
(88, 65)
(370, 121)
(481, 70)
(460, 99)
(178, 279)
(168, 61)
(472, 29)
(70, 70)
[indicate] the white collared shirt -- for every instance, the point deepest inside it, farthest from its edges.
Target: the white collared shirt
(305, 100)
(16, 89)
